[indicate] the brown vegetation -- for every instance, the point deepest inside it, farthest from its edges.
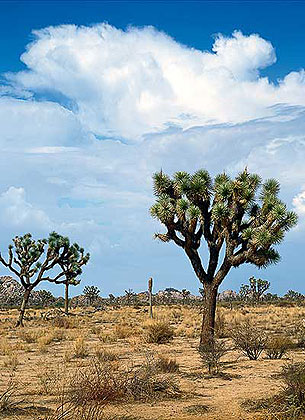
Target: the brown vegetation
(118, 364)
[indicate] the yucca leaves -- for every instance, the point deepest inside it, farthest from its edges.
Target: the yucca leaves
(242, 210)
(181, 207)
(193, 212)
(220, 212)
(162, 183)
(163, 210)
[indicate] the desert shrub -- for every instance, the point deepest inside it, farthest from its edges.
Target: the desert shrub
(159, 332)
(80, 348)
(100, 382)
(49, 379)
(299, 333)
(104, 355)
(211, 353)
(64, 322)
(9, 399)
(166, 365)
(250, 339)
(289, 404)
(293, 375)
(277, 346)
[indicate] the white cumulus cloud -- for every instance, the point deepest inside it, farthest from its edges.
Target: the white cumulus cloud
(127, 83)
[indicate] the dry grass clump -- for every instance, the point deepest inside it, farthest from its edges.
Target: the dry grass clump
(220, 325)
(68, 411)
(107, 338)
(104, 355)
(11, 361)
(80, 348)
(165, 364)
(54, 335)
(65, 322)
(28, 336)
(5, 347)
(250, 339)
(159, 332)
(124, 331)
(100, 382)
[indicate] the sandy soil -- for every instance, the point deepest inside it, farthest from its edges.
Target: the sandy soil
(40, 358)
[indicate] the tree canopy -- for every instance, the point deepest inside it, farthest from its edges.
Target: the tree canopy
(242, 214)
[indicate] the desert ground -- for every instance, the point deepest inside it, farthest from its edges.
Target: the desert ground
(42, 361)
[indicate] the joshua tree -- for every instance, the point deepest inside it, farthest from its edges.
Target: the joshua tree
(239, 219)
(150, 287)
(36, 261)
(255, 290)
(111, 298)
(91, 293)
(72, 264)
(44, 297)
(185, 295)
(129, 294)
(292, 295)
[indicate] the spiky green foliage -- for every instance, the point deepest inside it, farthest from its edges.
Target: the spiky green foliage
(242, 215)
(53, 259)
(91, 293)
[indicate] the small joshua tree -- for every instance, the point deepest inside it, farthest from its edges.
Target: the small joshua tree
(72, 264)
(239, 219)
(91, 293)
(34, 261)
(294, 296)
(129, 294)
(255, 290)
(185, 295)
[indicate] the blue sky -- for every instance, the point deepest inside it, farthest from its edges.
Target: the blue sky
(88, 114)
(190, 22)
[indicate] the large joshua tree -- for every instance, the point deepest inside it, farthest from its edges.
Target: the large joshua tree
(240, 220)
(34, 261)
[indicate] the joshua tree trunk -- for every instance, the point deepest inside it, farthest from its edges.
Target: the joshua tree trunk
(23, 307)
(209, 310)
(67, 298)
(150, 285)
